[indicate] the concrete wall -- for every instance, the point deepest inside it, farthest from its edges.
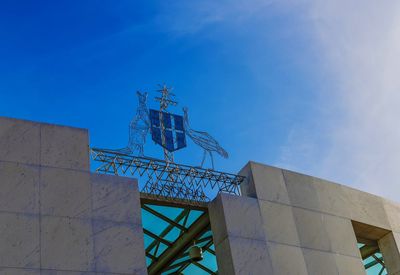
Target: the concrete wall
(58, 218)
(289, 223)
(55, 216)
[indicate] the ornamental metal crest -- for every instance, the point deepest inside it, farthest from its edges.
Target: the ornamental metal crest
(167, 130)
(165, 178)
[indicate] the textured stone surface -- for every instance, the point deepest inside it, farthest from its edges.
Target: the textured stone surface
(270, 183)
(349, 265)
(116, 199)
(247, 256)
(19, 240)
(389, 246)
(367, 208)
(58, 272)
(119, 248)
(279, 223)
(50, 145)
(46, 213)
(319, 262)
(64, 147)
(393, 213)
(67, 244)
(19, 191)
(341, 235)
(224, 258)
(333, 198)
(311, 229)
(241, 216)
(217, 220)
(301, 189)
(287, 260)
(65, 192)
(19, 141)
(63, 272)
(19, 271)
(238, 236)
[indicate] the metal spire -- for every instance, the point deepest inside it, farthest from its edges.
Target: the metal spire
(165, 100)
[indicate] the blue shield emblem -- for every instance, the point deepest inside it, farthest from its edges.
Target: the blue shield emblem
(174, 131)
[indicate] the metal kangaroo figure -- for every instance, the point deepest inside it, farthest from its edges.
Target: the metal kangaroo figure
(203, 139)
(138, 127)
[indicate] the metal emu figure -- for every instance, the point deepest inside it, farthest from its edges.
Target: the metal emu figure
(204, 140)
(138, 127)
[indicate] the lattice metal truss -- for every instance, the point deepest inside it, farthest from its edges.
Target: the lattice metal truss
(167, 247)
(166, 179)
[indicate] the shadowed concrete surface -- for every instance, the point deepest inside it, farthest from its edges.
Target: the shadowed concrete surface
(55, 216)
(289, 223)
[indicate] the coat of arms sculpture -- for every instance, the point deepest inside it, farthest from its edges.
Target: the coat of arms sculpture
(170, 131)
(167, 130)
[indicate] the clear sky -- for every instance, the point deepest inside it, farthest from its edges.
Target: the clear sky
(307, 85)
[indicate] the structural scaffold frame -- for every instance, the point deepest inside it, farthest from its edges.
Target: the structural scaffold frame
(167, 180)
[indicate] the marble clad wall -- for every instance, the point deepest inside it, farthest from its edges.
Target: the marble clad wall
(55, 216)
(289, 223)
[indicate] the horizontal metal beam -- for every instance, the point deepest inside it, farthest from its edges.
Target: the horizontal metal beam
(185, 262)
(154, 236)
(204, 268)
(146, 198)
(204, 239)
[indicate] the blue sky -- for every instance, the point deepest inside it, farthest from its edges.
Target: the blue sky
(297, 84)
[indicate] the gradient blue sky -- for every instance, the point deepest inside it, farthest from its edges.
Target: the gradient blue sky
(278, 82)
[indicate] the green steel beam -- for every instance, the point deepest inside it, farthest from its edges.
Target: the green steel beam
(154, 236)
(183, 263)
(180, 245)
(164, 218)
(204, 239)
(183, 214)
(165, 201)
(378, 260)
(151, 256)
(373, 263)
(204, 268)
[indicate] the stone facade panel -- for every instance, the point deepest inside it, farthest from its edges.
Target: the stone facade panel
(115, 199)
(64, 147)
(19, 241)
(65, 193)
(67, 244)
(279, 223)
(19, 190)
(19, 141)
